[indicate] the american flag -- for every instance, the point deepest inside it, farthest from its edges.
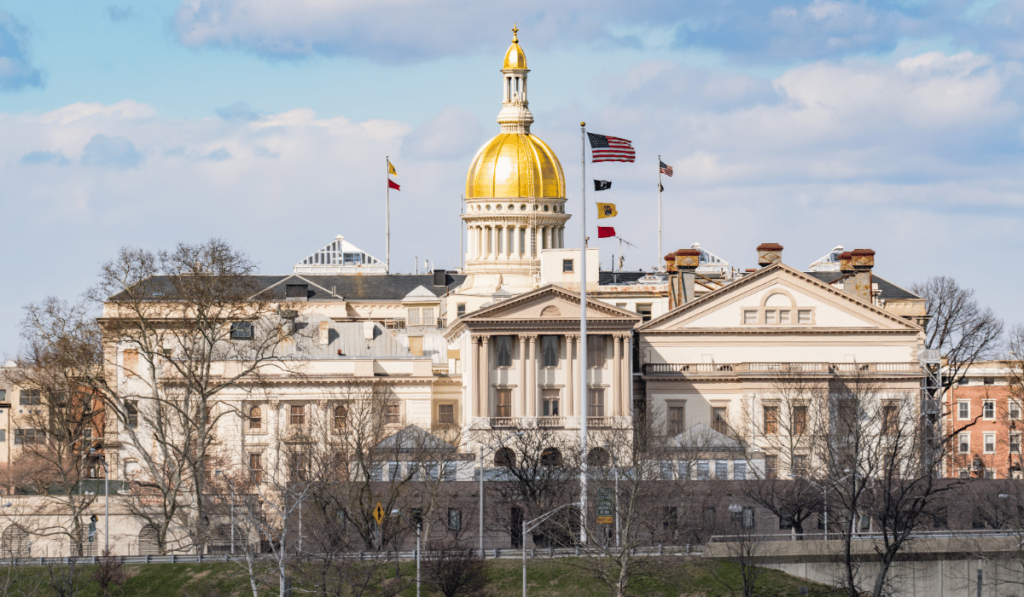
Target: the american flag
(611, 149)
(665, 168)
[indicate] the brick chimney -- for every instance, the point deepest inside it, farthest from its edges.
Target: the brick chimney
(856, 266)
(681, 283)
(769, 254)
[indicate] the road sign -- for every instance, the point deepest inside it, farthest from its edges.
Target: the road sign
(378, 514)
(605, 505)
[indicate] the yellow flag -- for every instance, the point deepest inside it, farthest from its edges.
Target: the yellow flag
(391, 169)
(606, 210)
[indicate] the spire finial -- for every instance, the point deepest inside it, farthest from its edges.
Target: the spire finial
(515, 33)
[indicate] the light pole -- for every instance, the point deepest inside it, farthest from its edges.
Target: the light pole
(529, 526)
(106, 501)
(491, 448)
(231, 486)
(419, 528)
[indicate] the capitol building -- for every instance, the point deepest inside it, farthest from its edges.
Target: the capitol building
(496, 346)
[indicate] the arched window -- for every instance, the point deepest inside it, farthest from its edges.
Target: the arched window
(149, 545)
(505, 457)
(255, 418)
(14, 543)
(340, 416)
(551, 457)
(598, 457)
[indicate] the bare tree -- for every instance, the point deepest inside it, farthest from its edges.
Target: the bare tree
(959, 327)
(59, 426)
(178, 328)
(454, 569)
(747, 548)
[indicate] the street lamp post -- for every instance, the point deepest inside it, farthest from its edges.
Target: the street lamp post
(824, 493)
(419, 529)
(615, 471)
(491, 448)
(529, 526)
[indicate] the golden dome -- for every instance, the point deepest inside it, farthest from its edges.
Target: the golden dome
(515, 165)
(514, 58)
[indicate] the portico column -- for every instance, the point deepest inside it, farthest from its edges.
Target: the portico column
(575, 381)
(627, 379)
(475, 388)
(485, 378)
(515, 241)
(520, 407)
(531, 378)
(616, 376)
(573, 359)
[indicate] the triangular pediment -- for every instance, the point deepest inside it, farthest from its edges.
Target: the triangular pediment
(549, 303)
(778, 298)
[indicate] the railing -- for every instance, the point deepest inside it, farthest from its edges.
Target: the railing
(503, 422)
(551, 422)
(493, 553)
(758, 368)
(600, 422)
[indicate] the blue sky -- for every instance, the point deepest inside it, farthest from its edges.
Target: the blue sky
(893, 125)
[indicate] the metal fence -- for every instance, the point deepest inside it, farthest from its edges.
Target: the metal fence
(535, 553)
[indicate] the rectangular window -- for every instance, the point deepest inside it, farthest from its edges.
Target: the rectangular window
(963, 410)
(299, 465)
(3, 395)
(595, 352)
(503, 350)
(454, 520)
(684, 470)
(644, 311)
(990, 381)
(448, 470)
(720, 419)
(964, 443)
(739, 470)
(595, 402)
(30, 398)
(771, 466)
(428, 317)
(549, 351)
(890, 419)
(394, 470)
(749, 317)
(1013, 407)
(460, 310)
(240, 330)
(393, 415)
(550, 403)
(784, 317)
(771, 420)
(803, 316)
(666, 469)
(256, 468)
(722, 470)
(504, 403)
(567, 266)
(412, 317)
(3, 435)
(800, 465)
(799, 420)
(988, 409)
(1015, 443)
(769, 317)
(416, 346)
(445, 414)
(676, 420)
(990, 443)
(131, 410)
(748, 518)
(703, 470)
(297, 415)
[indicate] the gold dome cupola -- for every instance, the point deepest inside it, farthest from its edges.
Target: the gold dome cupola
(515, 192)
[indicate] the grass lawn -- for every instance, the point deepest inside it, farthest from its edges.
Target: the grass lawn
(675, 577)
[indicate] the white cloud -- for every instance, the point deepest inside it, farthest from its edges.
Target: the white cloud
(453, 133)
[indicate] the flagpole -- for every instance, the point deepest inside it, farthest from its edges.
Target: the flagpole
(387, 214)
(662, 262)
(583, 340)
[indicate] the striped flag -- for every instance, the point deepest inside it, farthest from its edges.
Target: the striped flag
(665, 168)
(611, 149)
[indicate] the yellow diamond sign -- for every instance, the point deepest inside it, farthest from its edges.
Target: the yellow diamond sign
(378, 514)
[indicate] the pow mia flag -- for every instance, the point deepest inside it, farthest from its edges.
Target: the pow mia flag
(602, 185)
